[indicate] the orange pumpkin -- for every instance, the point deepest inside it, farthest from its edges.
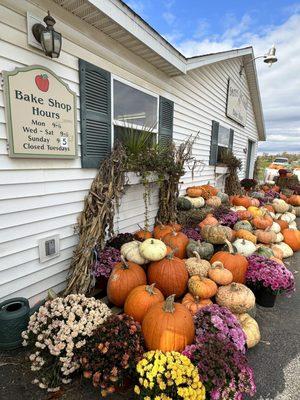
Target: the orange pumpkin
(161, 230)
(208, 191)
(243, 201)
(142, 234)
(125, 276)
(168, 326)
(263, 222)
(169, 274)
(193, 304)
(282, 223)
(202, 287)
(244, 234)
(294, 200)
(140, 299)
(276, 188)
(292, 238)
(283, 196)
(236, 263)
(177, 241)
(176, 227)
(194, 191)
(209, 220)
(219, 274)
(244, 215)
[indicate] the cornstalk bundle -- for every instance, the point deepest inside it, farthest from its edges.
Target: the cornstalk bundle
(97, 219)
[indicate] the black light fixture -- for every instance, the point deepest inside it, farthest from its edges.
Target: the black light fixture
(46, 35)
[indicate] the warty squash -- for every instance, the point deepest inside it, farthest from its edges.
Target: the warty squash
(202, 287)
(196, 266)
(250, 328)
(237, 297)
(219, 274)
(204, 249)
(193, 304)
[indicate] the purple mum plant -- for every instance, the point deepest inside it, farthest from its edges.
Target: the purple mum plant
(218, 321)
(222, 368)
(192, 233)
(106, 260)
(225, 216)
(263, 272)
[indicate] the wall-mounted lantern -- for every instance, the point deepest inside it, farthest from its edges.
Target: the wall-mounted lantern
(269, 58)
(46, 35)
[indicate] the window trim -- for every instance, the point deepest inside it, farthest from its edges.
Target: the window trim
(122, 123)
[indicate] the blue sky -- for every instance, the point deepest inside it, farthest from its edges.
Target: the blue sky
(199, 27)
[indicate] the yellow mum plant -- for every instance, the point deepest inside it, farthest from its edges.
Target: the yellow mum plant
(168, 376)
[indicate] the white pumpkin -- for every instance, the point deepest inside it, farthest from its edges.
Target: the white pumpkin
(250, 328)
(279, 237)
(293, 225)
(244, 247)
(288, 217)
(273, 215)
(275, 227)
(153, 249)
(280, 205)
(197, 202)
(238, 208)
(131, 251)
(286, 249)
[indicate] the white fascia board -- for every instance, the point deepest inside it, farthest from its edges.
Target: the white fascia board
(132, 23)
(200, 61)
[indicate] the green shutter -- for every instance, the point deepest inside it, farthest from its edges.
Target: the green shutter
(95, 114)
(231, 139)
(214, 143)
(166, 113)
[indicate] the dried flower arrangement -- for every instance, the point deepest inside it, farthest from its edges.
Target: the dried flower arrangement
(112, 353)
(232, 182)
(275, 277)
(168, 376)
(56, 331)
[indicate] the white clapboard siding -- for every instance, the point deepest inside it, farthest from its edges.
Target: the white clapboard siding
(43, 197)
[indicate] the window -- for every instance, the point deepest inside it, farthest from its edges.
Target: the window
(133, 107)
(221, 138)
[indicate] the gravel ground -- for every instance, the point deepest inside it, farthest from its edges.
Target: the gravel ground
(276, 359)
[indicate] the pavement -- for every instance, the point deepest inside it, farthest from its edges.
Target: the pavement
(275, 360)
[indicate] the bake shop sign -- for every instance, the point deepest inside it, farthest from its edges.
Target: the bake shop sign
(237, 103)
(41, 114)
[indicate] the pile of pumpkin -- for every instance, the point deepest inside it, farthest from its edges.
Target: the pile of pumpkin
(165, 265)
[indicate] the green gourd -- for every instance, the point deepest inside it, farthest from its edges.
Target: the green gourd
(204, 249)
(243, 225)
(183, 203)
(264, 251)
(223, 196)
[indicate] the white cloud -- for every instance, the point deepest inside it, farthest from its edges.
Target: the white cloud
(169, 17)
(280, 85)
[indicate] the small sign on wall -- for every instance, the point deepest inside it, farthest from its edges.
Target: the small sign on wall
(237, 103)
(41, 114)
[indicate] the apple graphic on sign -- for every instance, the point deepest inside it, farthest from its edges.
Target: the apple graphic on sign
(42, 82)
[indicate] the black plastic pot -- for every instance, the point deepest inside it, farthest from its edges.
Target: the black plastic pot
(264, 297)
(14, 317)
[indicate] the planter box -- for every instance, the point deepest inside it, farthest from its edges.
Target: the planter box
(132, 178)
(221, 169)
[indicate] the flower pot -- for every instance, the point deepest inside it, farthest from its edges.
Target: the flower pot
(264, 297)
(14, 317)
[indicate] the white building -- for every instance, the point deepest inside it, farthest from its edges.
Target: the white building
(126, 58)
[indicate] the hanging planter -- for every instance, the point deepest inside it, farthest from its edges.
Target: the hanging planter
(14, 317)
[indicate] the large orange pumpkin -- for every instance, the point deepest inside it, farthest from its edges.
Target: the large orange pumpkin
(125, 276)
(177, 241)
(294, 200)
(292, 238)
(243, 201)
(161, 230)
(193, 304)
(140, 299)
(169, 274)
(236, 263)
(168, 326)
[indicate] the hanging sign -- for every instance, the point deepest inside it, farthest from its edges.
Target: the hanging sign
(237, 103)
(41, 114)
